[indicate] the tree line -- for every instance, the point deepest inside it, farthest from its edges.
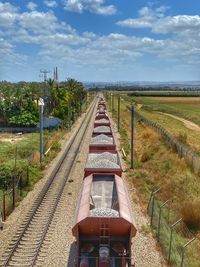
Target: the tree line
(19, 101)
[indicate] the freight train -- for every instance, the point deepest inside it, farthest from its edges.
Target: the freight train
(103, 225)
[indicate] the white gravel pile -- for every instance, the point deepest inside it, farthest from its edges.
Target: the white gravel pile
(102, 121)
(104, 212)
(100, 114)
(101, 139)
(102, 129)
(104, 160)
(105, 155)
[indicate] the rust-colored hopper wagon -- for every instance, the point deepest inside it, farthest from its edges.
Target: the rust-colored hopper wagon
(103, 162)
(101, 108)
(101, 122)
(104, 226)
(101, 116)
(102, 143)
(106, 130)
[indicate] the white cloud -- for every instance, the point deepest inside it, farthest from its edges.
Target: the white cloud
(8, 14)
(94, 6)
(38, 22)
(147, 18)
(8, 55)
(158, 22)
(180, 23)
(74, 5)
(50, 3)
(57, 41)
(31, 6)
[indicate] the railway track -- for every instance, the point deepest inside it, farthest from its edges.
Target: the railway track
(25, 247)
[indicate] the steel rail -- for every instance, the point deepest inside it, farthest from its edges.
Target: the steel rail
(46, 188)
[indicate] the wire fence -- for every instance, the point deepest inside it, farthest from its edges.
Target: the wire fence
(179, 245)
(19, 161)
(191, 158)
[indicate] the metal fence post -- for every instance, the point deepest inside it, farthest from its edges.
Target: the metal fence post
(184, 248)
(171, 235)
(110, 101)
(118, 124)
(153, 202)
(159, 219)
(150, 201)
(14, 179)
(132, 136)
(113, 104)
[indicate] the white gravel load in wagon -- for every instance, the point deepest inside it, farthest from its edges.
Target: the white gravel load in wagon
(99, 114)
(104, 212)
(102, 121)
(102, 139)
(104, 160)
(102, 129)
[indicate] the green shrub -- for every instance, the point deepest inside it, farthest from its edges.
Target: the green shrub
(56, 146)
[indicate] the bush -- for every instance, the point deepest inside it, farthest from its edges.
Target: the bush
(182, 137)
(190, 213)
(8, 171)
(56, 146)
(23, 118)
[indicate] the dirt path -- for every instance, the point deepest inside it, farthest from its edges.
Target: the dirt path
(188, 124)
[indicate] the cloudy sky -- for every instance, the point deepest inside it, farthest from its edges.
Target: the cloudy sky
(100, 40)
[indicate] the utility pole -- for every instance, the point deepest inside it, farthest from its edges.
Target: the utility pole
(41, 105)
(132, 137)
(44, 72)
(118, 124)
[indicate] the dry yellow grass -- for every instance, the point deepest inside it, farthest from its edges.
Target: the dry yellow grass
(190, 211)
(36, 157)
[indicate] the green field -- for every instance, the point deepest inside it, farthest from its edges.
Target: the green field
(184, 107)
(19, 160)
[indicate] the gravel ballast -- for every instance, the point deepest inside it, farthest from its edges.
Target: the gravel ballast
(104, 212)
(104, 160)
(102, 164)
(102, 129)
(60, 243)
(102, 139)
(102, 121)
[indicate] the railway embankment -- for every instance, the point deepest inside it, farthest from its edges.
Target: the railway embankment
(16, 219)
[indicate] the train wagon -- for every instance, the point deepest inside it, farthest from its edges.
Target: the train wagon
(103, 226)
(103, 162)
(101, 116)
(102, 122)
(102, 143)
(102, 130)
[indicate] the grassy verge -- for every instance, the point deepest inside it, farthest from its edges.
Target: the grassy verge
(19, 160)
(157, 165)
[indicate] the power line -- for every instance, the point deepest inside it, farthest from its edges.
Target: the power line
(44, 72)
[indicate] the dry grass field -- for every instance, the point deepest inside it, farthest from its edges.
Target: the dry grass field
(159, 110)
(157, 165)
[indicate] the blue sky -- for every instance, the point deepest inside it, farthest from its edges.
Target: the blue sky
(100, 40)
